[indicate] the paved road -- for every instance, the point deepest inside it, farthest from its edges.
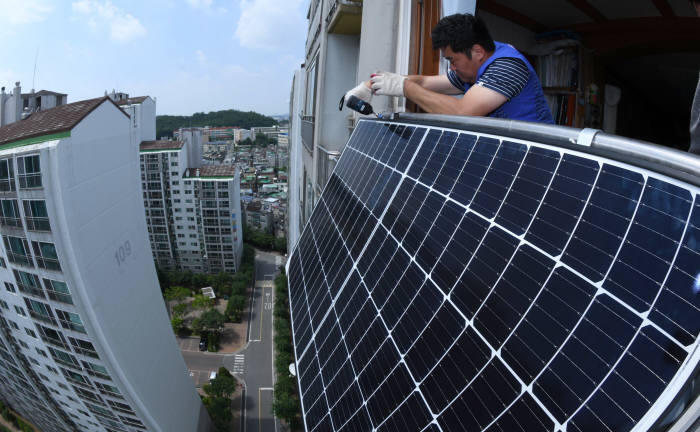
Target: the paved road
(258, 373)
(253, 365)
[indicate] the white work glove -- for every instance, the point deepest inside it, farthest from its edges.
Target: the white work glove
(361, 91)
(387, 83)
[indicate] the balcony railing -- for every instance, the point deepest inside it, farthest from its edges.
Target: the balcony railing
(30, 181)
(324, 165)
(38, 224)
(11, 222)
(307, 132)
(20, 259)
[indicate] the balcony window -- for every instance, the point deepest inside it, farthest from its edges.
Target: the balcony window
(46, 256)
(10, 213)
(17, 250)
(71, 321)
(64, 358)
(7, 176)
(36, 215)
(53, 337)
(28, 283)
(75, 378)
(109, 390)
(58, 291)
(96, 370)
(29, 172)
(83, 347)
(40, 311)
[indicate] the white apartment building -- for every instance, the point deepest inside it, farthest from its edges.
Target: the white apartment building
(85, 342)
(192, 211)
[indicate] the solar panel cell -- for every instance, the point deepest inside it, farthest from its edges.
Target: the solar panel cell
(562, 204)
(513, 294)
(460, 365)
(498, 178)
(524, 415)
(527, 190)
(652, 241)
(483, 271)
(454, 163)
(411, 415)
(473, 172)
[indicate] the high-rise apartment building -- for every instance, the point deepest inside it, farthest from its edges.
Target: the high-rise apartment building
(193, 212)
(85, 343)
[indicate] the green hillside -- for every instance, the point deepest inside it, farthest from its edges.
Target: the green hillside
(166, 124)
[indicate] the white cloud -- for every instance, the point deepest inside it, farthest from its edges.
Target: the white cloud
(123, 26)
(25, 11)
(201, 57)
(200, 4)
(267, 24)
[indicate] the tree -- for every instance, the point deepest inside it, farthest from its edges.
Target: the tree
(286, 405)
(177, 324)
(176, 293)
(219, 409)
(202, 302)
(222, 386)
(179, 310)
(211, 320)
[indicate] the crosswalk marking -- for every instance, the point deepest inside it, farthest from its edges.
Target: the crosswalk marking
(239, 364)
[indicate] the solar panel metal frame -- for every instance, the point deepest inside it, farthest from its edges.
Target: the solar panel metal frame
(660, 163)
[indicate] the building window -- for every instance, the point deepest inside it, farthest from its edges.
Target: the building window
(20, 311)
(75, 378)
(58, 291)
(96, 370)
(109, 390)
(46, 256)
(52, 336)
(36, 215)
(7, 176)
(10, 213)
(4, 304)
(70, 320)
(40, 311)
(28, 283)
(29, 172)
(17, 250)
(9, 287)
(41, 352)
(64, 358)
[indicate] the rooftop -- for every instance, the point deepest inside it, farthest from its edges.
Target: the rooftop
(51, 121)
(44, 93)
(211, 171)
(133, 100)
(160, 145)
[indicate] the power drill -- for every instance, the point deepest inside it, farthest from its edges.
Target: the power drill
(357, 104)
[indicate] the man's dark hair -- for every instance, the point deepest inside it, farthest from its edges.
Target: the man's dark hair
(460, 32)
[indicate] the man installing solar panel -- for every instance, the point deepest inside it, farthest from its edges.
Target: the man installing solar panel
(496, 80)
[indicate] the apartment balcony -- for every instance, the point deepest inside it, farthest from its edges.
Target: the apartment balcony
(307, 132)
(325, 163)
(344, 17)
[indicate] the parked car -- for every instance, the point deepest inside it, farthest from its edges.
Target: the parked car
(212, 375)
(203, 342)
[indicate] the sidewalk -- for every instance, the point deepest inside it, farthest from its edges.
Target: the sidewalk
(234, 334)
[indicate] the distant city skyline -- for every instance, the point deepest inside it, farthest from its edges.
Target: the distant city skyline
(191, 55)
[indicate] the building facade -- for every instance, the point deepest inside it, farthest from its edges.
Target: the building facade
(179, 195)
(192, 211)
(85, 343)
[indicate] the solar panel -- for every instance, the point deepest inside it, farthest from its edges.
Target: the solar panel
(459, 281)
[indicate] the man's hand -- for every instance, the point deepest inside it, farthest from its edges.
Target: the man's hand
(387, 83)
(362, 91)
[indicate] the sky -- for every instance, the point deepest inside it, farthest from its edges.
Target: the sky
(190, 55)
